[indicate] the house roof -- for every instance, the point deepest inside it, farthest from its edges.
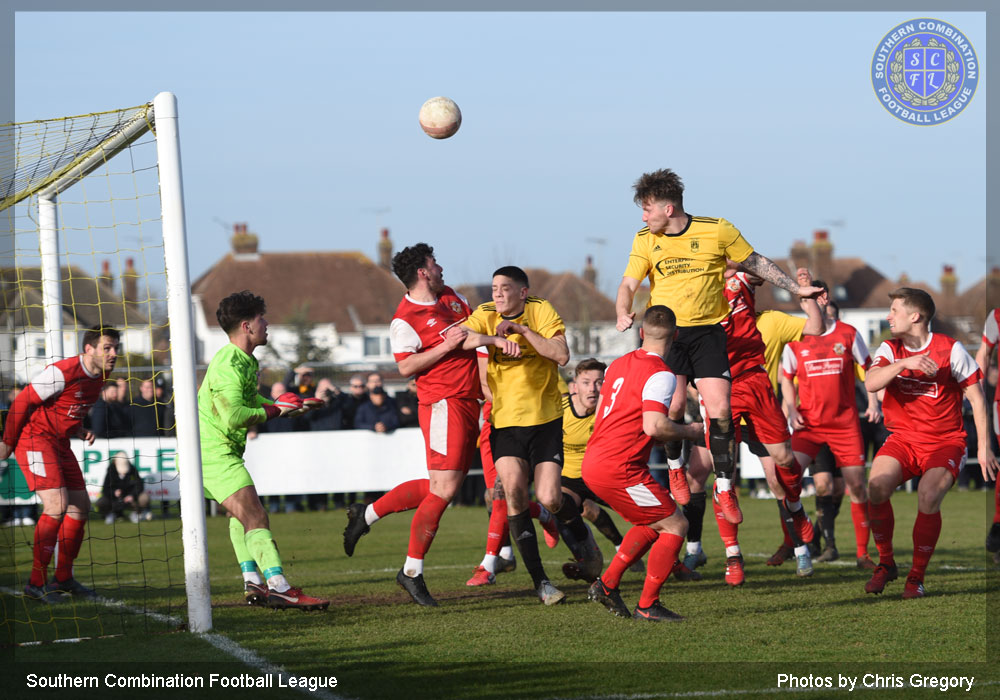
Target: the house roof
(346, 289)
(576, 299)
(86, 300)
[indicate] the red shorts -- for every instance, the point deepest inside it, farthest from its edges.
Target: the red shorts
(449, 427)
(753, 399)
(917, 459)
(48, 464)
(845, 443)
(641, 504)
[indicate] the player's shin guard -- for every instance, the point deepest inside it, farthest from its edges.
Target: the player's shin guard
(882, 522)
(722, 445)
(46, 536)
(727, 530)
(70, 538)
(238, 536)
(261, 546)
(790, 479)
(606, 526)
(636, 543)
(425, 525)
(673, 448)
(662, 556)
(694, 511)
(522, 531)
(406, 496)
(926, 531)
(862, 528)
(792, 537)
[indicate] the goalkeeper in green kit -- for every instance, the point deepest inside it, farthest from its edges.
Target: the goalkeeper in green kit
(228, 404)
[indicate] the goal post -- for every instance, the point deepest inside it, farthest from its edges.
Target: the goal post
(39, 162)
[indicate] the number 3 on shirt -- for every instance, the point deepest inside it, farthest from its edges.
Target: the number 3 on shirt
(615, 387)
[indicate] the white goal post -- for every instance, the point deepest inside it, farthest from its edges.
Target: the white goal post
(69, 162)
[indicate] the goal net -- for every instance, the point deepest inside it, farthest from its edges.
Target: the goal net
(92, 235)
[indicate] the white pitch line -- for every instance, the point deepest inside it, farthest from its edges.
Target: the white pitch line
(220, 642)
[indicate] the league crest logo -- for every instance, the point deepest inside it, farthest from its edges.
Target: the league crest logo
(456, 307)
(924, 71)
(694, 246)
(733, 284)
(839, 348)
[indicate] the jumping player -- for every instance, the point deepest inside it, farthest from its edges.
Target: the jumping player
(228, 404)
(925, 375)
(991, 336)
(684, 258)
(631, 414)
(44, 416)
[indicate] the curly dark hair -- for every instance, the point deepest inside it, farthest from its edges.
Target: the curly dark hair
(239, 307)
(662, 186)
(406, 262)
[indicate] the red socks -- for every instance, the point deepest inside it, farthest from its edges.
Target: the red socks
(790, 479)
(635, 544)
(498, 527)
(662, 556)
(882, 521)
(46, 534)
(406, 496)
(727, 530)
(926, 531)
(70, 538)
(859, 514)
(425, 525)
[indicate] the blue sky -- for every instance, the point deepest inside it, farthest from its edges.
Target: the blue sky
(305, 124)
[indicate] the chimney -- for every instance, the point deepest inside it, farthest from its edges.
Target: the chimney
(822, 257)
(590, 272)
(949, 283)
(243, 242)
(106, 270)
(130, 281)
(800, 256)
(385, 250)
(904, 279)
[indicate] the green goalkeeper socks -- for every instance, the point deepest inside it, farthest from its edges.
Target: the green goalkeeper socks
(247, 564)
(261, 546)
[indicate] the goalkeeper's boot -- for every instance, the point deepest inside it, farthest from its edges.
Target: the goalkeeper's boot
(255, 593)
(295, 598)
(356, 527)
(415, 586)
(71, 587)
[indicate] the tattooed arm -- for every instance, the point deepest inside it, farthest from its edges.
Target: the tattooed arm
(767, 270)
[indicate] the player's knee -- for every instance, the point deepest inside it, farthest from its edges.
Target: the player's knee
(879, 491)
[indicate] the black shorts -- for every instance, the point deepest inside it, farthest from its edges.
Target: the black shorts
(824, 462)
(534, 443)
(577, 486)
(755, 446)
(699, 351)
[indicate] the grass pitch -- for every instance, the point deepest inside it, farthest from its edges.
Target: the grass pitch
(500, 642)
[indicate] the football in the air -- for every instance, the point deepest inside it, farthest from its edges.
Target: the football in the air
(440, 117)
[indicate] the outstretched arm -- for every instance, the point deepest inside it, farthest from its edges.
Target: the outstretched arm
(766, 269)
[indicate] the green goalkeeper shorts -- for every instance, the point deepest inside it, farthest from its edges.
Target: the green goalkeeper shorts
(222, 476)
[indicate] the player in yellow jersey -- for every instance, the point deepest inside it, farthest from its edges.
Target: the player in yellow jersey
(526, 435)
(684, 258)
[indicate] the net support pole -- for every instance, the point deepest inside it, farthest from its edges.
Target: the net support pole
(48, 230)
(182, 359)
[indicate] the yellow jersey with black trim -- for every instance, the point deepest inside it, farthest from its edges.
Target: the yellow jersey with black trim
(525, 389)
(777, 329)
(576, 431)
(685, 269)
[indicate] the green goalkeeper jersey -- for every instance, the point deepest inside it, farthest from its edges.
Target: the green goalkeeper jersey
(228, 402)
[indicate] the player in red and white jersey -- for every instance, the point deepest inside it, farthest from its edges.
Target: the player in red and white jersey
(429, 341)
(826, 413)
(925, 377)
(45, 415)
(991, 337)
(631, 414)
